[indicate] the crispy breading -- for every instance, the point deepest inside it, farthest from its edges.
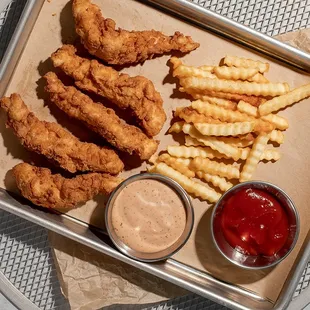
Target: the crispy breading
(49, 190)
(56, 143)
(104, 121)
(137, 94)
(119, 46)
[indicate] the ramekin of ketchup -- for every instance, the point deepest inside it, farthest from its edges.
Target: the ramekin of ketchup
(255, 225)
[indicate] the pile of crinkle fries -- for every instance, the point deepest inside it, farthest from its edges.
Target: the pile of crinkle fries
(232, 119)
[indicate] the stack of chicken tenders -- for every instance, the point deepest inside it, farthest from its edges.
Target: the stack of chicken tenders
(93, 167)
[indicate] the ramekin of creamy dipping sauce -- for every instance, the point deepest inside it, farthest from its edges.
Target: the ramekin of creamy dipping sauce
(255, 225)
(149, 217)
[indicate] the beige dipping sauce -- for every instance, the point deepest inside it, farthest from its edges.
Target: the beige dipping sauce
(148, 216)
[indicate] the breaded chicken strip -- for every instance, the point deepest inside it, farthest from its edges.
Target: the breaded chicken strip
(137, 94)
(56, 143)
(118, 46)
(104, 121)
(49, 190)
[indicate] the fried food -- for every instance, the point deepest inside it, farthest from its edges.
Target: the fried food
(52, 191)
(254, 157)
(104, 121)
(212, 142)
(217, 181)
(200, 94)
(137, 94)
(235, 87)
(215, 168)
(188, 184)
(278, 121)
(277, 136)
(56, 143)
(175, 164)
(118, 46)
(230, 120)
(283, 101)
(180, 70)
(190, 115)
(232, 73)
(192, 152)
(228, 129)
(240, 141)
(229, 116)
(246, 63)
(176, 127)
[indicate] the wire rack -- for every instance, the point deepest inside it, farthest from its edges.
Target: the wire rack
(25, 257)
(272, 17)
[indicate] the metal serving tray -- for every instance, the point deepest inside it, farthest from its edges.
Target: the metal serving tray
(170, 270)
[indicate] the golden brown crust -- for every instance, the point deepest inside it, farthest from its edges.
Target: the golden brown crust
(56, 143)
(137, 94)
(49, 190)
(118, 46)
(104, 121)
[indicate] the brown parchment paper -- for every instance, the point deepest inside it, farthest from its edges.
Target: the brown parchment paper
(54, 27)
(91, 280)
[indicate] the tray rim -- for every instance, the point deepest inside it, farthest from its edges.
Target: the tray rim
(88, 237)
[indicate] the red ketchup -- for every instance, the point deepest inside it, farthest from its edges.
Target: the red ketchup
(254, 223)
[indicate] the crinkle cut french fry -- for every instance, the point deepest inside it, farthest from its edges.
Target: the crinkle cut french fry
(220, 112)
(246, 63)
(185, 161)
(217, 181)
(278, 121)
(271, 154)
(227, 104)
(245, 107)
(190, 141)
(254, 157)
(259, 78)
(233, 73)
(189, 185)
(237, 141)
(263, 126)
(178, 111)
(248, 137)
(277, 136)
(228, 129)
(175, 61)
(238, 87)
(172, 162)
(181, 70)
(191, 115)
(153, 159)
(206, 68)
(176, 127)
(222, 147)
(192, 152)
(268, 155)
(283, 101)
(185, 71)
(215, 168)
(253, 100)
(230, 116)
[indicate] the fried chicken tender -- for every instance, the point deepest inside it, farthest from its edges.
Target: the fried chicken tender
(104, 121)
(118, 46)
(56, 143)
(52, 191)
(137, 94)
